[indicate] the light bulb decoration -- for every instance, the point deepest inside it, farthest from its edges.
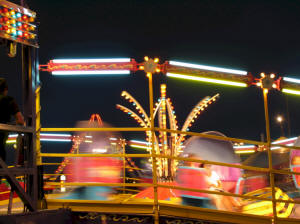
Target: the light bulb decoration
(151, 66)
(268, 81)
(19, 22)
(165, 143)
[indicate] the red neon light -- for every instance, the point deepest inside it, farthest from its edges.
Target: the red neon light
(51, 66)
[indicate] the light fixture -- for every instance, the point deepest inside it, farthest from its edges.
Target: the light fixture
(209, 68)
(210, 80)
(291, 91)
(94, 60)
(287, 79)
(94, 72)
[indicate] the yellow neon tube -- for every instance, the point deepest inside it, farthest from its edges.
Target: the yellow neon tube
(245, 151)
(291, 91)
(210, 80)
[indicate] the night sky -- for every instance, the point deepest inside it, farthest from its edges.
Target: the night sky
(255, 36)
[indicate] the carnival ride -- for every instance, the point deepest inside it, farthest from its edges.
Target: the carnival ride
(17, 27)
(167, 144)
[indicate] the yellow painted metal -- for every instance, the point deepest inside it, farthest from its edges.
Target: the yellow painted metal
(93, 129)
(272, 183)
(124, 163)
(266, 207)
(153, 152)
(101, 184)
(213, 136)
(93, 155)
(38, 125)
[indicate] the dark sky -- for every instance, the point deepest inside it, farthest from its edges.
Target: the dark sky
(256, 36)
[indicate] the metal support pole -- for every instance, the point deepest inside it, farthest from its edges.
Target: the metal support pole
(124, 164)
(153, 152)
(272, 183)
(38, 126)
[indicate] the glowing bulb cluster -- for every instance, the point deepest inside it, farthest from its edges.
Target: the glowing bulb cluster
(16, 23)
(143, 122)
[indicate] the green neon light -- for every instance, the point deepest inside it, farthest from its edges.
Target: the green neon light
(291, 91)
(210, 80)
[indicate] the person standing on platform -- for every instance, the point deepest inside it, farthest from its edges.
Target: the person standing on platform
(8, 109)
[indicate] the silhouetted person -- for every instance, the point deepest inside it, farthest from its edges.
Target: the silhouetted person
(8, 109)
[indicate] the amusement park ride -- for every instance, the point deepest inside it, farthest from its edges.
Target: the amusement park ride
(263, 203)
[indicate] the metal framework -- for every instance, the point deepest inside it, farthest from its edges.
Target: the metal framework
(158, 208)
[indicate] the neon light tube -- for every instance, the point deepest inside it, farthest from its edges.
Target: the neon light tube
(209, 68)
(95, 60)
(140, 147)
(275, 147)
(137, 141)
(95, 72)
(291, 91)
(56, 135)
(11, 141)
(55, 140)
(100, 150)
(210, 80)
(244, 147)
(291, 80)
(244, 151)
(284, 140)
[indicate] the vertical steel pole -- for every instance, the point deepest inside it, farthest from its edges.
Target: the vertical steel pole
(154, 165)
(124, 164)
(272, 183)
(38, 126)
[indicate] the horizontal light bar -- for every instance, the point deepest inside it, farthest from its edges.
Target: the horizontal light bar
(141, 142)
(55, 140)
(285, 140)
(244, 147)
(245, 151)
(56, 135)
(275, 147)
(94, 72)
(140, 147)
(210, 80)
(95, 60)
(291, 91)
(209, 68)
(291, 80)
(99, 150)
(11, 141)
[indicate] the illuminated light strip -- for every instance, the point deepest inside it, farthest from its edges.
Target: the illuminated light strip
(284, 140)
(13, 135)
(100, 150)
(56, 135)
(275, 147)
(245, 151)
(113, 139)
(55, 140)
(137, 141)
(209, 68)
(244, 147)
(291, 91)
(94, 72)
(101, 60)
(210, 80)
(140, 147)
(11, 141)
(291, 80)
